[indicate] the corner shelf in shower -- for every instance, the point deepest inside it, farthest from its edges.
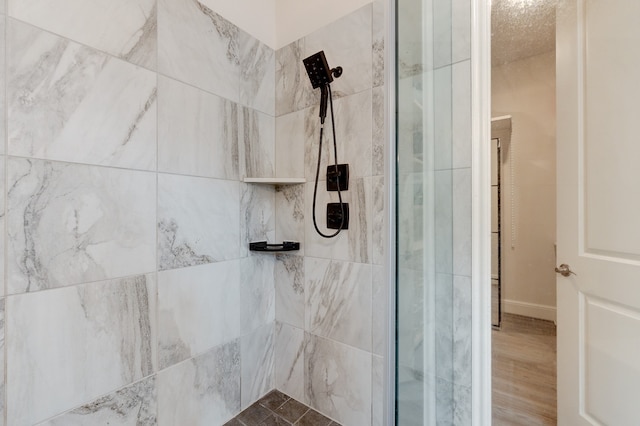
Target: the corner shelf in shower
(274, 248)
(275, 181)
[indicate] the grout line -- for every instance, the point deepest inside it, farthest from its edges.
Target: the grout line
(304, 414)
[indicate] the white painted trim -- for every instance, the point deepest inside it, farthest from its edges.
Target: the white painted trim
(389, 381)
(481, 210)
(532, 310)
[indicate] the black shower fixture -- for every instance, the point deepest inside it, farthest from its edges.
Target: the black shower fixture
(321, 75)
(318, 70)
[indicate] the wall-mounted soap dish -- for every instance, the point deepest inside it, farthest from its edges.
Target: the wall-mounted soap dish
(284, 246)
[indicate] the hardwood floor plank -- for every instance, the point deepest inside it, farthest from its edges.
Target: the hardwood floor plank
(524, 372)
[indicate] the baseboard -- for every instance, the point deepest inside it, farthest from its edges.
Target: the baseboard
(530, 310)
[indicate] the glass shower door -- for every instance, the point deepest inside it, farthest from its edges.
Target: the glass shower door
(431, 297)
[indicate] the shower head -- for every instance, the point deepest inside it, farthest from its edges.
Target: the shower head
(321, 76)
(318, 70)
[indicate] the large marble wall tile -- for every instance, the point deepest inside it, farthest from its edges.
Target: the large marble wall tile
(73, 344)
(122, 28)
(377, 391)
(257, 143)
(410, 38)
(199, 47)
(257, 292)
(460, 30)
(462, 222)
(2, 362)
(346, 43)
(289, 282)
(198, 308)
(410, 238)
(443, 215)
(411, 394)
(2, 224)
(354, 244)
(257, 215)
(257, 74)
(257, 361)
(293, 89)
(202, 391)
(69, 102)
(197, 132)
(338, 301)
(69, 224)
(462, 318)
(461, 114)
(289, 361)
(3, 78)
(444, 326)
(412, 131)
(443, 391)
(338, 380)
(442, 34)
(353, 120)
(379, 137)
(198, 221)
(379, 310)
(378, 230)
(133, 405)
(442, 116)
(462, 406)
(411, 335)
(290, 144)
(290, 205)
(378, 39)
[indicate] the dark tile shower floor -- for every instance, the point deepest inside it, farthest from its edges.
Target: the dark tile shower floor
(276, 408)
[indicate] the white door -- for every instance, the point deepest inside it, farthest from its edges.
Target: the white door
(598, 71)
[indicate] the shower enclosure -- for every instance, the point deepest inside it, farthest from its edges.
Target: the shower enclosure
(433, 202)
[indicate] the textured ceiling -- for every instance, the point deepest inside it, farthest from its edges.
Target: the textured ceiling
(522, 28)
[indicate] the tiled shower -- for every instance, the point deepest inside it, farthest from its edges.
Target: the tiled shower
(130, 295)
(129, 292)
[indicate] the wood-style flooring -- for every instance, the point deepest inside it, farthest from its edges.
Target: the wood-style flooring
(524, 372)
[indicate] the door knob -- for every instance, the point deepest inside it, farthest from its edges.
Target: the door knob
(565, 270)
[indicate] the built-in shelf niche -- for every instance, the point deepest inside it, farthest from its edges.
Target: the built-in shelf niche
(287, 245)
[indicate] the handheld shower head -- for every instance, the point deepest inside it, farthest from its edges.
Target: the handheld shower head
(321, 76)
(318, 70)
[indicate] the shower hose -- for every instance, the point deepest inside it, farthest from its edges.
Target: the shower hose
(335, 155)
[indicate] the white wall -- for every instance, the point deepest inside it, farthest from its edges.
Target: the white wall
(525, 89)
(279, 22)
(257, 17)
(296, 18)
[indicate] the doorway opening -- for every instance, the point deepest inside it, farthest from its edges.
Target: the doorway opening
(523, 212)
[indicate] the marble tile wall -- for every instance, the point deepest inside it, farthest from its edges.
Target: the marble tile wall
(204, 390)
(331, 297)
(108, 335)
(129, 128)
(133, 404)
(127, 279)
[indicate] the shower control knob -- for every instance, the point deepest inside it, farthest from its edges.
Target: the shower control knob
(565, 270)
(337, 72)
